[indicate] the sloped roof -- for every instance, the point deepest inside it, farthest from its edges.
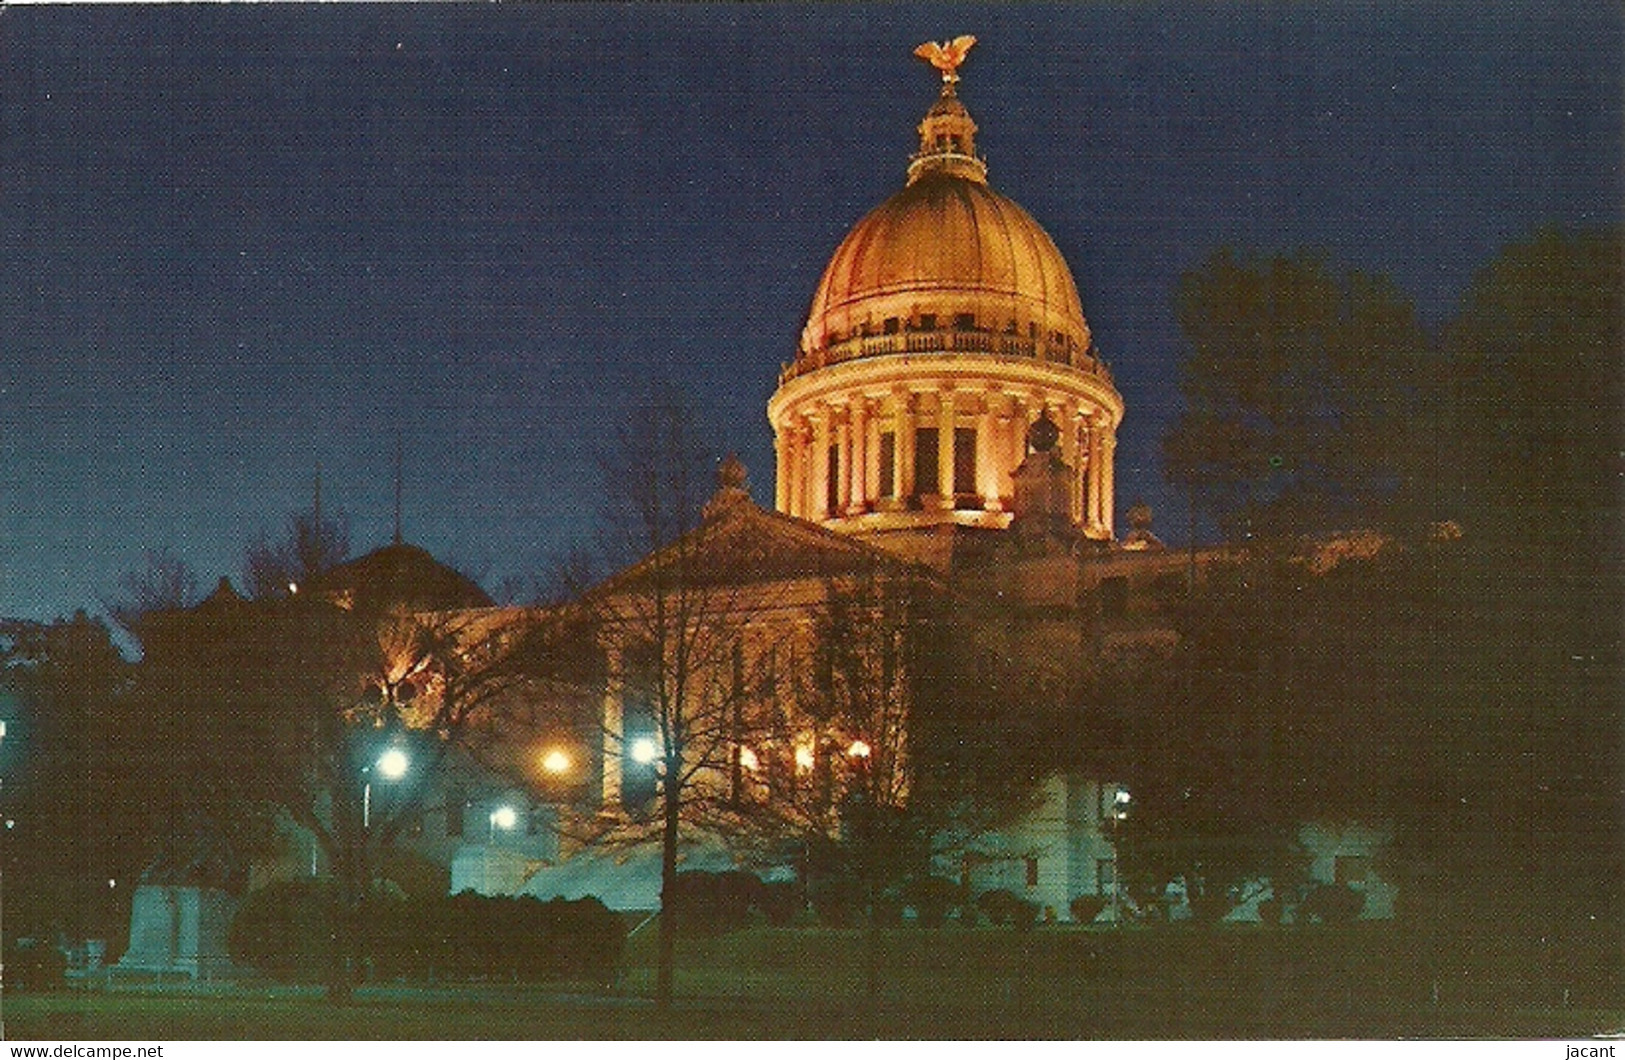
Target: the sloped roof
(740, 543)
(400, 575)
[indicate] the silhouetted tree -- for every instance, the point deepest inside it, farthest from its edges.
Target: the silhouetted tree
(164, 581)
(311, 544)
(1300, 388)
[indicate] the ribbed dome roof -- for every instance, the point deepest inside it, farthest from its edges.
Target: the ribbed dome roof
(946, 246)
(947, 252)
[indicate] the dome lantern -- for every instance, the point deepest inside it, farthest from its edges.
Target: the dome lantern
(947, 135)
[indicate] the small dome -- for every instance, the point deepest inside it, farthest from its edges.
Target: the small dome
(400, 575)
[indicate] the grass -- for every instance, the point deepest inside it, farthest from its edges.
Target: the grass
(1369, 981)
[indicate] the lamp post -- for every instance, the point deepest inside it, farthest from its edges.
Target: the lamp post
(392, 765)
(504, 817)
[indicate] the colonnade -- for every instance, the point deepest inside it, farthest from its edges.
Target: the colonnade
(850, 456)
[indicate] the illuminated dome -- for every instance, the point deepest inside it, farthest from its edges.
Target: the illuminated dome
(950, 251)
(945, 324)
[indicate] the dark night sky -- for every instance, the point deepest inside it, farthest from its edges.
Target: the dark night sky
(239, 240)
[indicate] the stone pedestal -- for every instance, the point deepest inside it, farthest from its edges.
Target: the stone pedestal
(179, 930)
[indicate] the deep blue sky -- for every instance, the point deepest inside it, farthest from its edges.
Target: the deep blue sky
(239, 240)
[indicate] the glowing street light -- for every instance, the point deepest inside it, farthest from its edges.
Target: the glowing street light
(804, 757)
(643, 751)
(556, 762)
(393, 764)
(503, 817)
(859, 749)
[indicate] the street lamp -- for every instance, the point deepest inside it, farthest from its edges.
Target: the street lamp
(392, 765)
(503, 817)
(556, 762)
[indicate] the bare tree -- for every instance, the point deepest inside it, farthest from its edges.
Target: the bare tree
(164, 581)
(683, 631)
(311, 544)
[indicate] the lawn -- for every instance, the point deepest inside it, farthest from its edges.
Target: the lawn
(1368, 981)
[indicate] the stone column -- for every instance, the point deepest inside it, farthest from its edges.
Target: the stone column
(945, 447)
(818, 508)
(857, 494)
(904, 478)
(1018, 432)
(871, 454)
(1068, 414)
(1091, 482)
(1108, 448)
(843, 450)
(781, 470)
(987, 449)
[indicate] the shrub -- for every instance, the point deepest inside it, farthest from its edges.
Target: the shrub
(837, 901)
(1333, 903)
(933, 898)
(34, 966)
(281, 930)
(1085, 907)
(1005, 908)
(1209, 908)
(781, 903)
(713, 903)
(887, 910)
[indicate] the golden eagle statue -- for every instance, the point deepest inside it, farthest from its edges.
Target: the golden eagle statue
(946, 57)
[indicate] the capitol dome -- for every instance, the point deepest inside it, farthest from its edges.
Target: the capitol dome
(951, 248)
(946, 322)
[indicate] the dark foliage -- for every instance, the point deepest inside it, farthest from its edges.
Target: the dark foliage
(281, 931)
(1332, 903)
(1007, 909)
(34, 965)
(837, 901)
(1085, 907)
(933, 898)
(714, 903)
(781, 903)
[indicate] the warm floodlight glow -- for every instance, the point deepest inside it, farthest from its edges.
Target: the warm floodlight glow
(393, 764)
(556, 762)
(804, 757)
(643, 751)
(747, 759)
(293, 587)
(504, 817)
(859, 749)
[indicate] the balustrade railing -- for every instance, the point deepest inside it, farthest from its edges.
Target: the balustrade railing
(989, 342)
